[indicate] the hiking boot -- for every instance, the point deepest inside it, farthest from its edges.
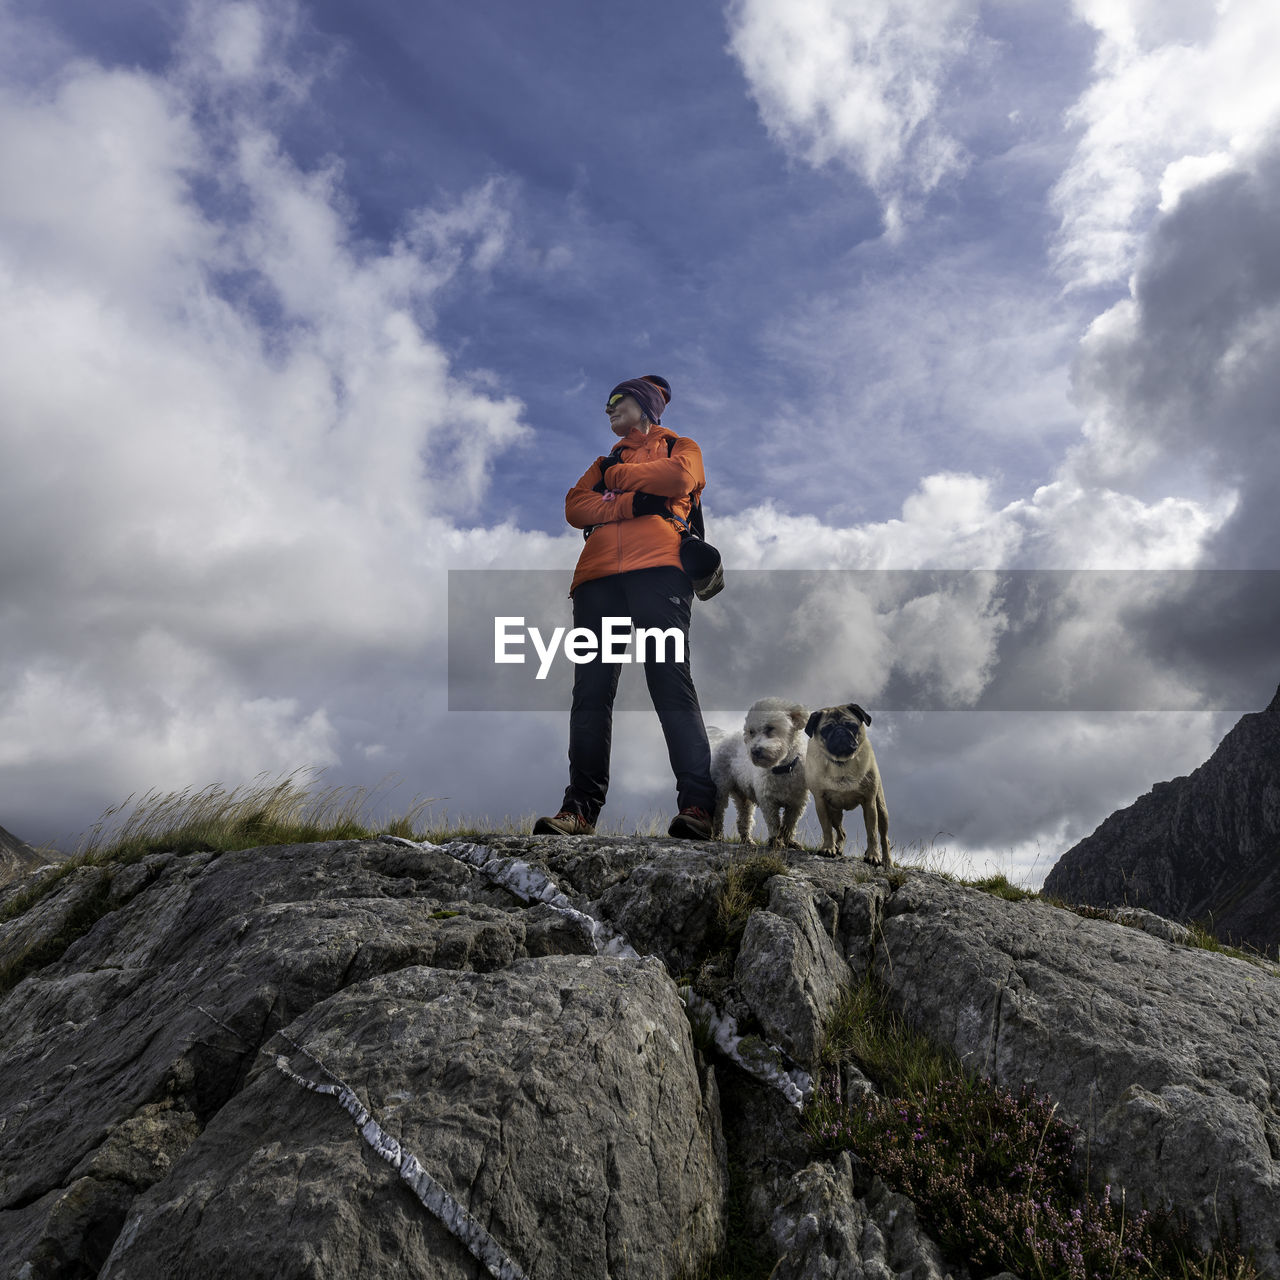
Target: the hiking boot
(691, 824)
(568, 822)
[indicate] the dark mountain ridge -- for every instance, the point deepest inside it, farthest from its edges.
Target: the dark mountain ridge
(1205, 847)
(17, 858)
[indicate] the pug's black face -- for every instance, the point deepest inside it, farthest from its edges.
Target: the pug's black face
(841, 738)
(839, 729)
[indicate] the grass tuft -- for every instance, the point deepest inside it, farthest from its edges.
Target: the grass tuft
(293, 809)
(864, 1031)
(741, 892)
(1000, 886)
(744, 892)
(91, 907)
(1203, 937)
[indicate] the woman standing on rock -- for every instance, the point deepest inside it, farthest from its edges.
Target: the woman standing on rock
(630, 567)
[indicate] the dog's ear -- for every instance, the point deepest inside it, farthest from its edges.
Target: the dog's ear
(812, 725)
(797, 714)
(858, 711)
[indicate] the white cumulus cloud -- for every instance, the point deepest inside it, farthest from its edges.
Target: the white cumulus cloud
(233, 447)
(1179, 91)
(857, 83)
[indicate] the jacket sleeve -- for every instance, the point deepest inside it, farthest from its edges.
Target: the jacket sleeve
(583, 506)
(674, 477)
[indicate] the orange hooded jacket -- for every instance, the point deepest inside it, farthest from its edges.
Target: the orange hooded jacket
(620, 540)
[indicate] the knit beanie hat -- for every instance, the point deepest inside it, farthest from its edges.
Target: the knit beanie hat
(661, 383)
(651, 393)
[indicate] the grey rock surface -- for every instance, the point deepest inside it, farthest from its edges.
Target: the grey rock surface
(667, 907)
(161, 1004)
(790, 971)
(824, 1231)
(1148, 922)
(145, 1130)
(1167, 1057)
(557, 1098)
(1201, 848)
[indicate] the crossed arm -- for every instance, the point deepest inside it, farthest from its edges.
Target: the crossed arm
(603, 496)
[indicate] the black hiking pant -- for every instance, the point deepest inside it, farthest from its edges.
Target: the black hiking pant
(659, 597)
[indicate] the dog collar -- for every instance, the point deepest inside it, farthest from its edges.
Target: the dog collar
(786, 768)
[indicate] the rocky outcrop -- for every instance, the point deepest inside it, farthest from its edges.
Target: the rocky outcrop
(1202, 848)
(557, 1097)
(145, 1131)
(1167, 1057)
(168, 1020)
(17, 858)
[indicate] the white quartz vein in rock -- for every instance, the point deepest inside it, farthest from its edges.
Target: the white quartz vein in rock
(482, 1246)
(530, 884)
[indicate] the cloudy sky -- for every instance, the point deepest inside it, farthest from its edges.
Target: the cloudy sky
(305, 304)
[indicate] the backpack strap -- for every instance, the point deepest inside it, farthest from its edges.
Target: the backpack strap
(695, 523)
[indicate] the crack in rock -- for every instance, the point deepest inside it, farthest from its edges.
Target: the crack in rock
(529, 884)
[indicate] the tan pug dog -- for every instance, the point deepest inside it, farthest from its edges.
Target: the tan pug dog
(840, 769)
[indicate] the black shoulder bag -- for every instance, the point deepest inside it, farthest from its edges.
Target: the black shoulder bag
(699, 559)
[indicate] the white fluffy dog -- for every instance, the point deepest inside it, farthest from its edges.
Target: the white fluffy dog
(764, 767)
